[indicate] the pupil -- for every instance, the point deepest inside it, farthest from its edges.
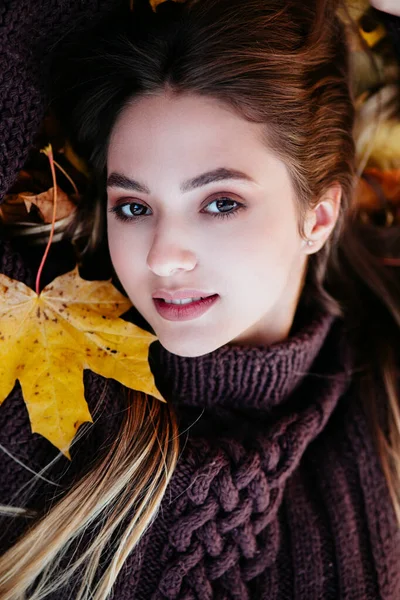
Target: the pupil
(224, 201)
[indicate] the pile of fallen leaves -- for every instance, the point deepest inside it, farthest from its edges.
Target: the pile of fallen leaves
(375, 82)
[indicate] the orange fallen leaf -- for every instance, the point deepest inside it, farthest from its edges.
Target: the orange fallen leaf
(45, 200)
(378, 186)
(13, 210)
(47, 340)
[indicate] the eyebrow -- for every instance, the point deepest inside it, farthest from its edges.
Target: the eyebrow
(122, 181)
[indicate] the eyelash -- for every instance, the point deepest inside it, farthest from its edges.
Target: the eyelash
(117, 210)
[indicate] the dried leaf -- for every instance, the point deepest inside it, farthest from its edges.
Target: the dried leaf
(47, 340)
(45, 201)
(13, 210)
(377, 131)
(377, 188)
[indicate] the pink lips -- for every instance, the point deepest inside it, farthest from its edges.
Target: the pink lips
(184, 312)
(180, 294)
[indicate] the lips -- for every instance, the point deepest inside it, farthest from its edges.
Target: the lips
(182, 294)
(193, 299)
(184, 312)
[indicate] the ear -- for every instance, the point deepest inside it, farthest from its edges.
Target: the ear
(321, 219)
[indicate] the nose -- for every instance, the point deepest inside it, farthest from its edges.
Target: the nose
(166, 256)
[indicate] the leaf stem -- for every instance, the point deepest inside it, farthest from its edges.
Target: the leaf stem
(48, 150)
(67, 176)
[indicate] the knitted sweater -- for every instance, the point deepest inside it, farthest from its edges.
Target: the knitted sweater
(278, 492)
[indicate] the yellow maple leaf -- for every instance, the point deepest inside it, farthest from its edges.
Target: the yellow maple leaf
(47, 340)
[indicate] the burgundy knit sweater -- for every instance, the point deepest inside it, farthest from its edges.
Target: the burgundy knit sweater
(278, 492)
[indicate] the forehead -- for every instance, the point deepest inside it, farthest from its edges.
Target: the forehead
(182, 125)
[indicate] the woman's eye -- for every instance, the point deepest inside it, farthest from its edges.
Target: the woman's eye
(132, 211)
(128, 211)
(224, 203)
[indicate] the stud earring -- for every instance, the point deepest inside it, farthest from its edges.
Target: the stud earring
(310, 242)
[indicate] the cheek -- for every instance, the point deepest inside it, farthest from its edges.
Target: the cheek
(261, 256)
(114, 244)
(122, 249)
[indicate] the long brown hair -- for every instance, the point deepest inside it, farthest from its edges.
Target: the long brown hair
(282, 63)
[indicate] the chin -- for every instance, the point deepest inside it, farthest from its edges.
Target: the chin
(191, 350)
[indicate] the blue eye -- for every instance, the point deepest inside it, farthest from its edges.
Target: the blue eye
(128, 215)
(122, 215)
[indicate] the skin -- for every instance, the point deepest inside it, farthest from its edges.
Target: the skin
(255, 260)
(389, 6)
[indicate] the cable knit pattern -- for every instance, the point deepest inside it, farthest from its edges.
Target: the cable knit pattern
(221, 528)
(226, 533)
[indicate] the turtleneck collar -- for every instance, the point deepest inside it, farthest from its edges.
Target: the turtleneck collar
(251, 377)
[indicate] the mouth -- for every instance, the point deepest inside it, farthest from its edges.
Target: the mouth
(186, 311)
(186, 301)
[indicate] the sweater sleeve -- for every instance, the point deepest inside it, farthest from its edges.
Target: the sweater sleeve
(29, 31)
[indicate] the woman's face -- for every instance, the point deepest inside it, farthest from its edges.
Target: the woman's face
(235, 237)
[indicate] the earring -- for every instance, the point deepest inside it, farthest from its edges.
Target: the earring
(309, 242)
